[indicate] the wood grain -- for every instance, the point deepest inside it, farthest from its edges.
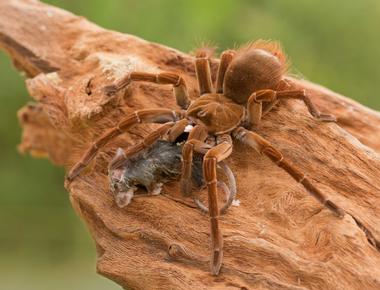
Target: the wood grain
(278, 238)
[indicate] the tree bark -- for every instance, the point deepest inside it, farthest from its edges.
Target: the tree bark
(278, 238)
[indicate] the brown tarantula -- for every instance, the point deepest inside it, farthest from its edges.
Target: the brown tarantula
(248, 84)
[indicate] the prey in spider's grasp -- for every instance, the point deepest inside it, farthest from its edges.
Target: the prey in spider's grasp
(249, 82)
(156, 165)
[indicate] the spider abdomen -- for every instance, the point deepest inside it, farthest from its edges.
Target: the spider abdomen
(218, 113)
(260, 65)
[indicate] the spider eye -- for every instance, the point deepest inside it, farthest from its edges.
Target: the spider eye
(201, 114)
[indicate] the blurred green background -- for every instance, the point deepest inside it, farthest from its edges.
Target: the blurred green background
(43, 244)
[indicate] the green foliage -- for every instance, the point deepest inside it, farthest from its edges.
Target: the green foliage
(334, 43)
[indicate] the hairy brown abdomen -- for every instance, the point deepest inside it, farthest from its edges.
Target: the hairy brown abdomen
(251, 70)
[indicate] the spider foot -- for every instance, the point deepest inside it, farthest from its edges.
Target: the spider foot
(110, 90)
(216, 261)
(334, 208)
(186, 187)
(74, 172)
(326, 118)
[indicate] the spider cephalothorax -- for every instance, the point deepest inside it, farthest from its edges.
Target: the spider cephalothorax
(249, 83)
(218, 113)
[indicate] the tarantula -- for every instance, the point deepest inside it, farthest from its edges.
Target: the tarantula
(249, 82)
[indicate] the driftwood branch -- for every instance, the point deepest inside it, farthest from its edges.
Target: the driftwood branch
(278, 238)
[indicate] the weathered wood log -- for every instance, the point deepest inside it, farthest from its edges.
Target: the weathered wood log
(278, 238)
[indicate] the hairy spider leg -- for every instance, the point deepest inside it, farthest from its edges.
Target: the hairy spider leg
(255, 104)
(178, 129)
(302, 95)
(261, 145)
(225, 59)
(159, 116)
(165, 78)
(230, 190)
(195, 142)
(221, 151)
(283, 85)
(203, 72)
